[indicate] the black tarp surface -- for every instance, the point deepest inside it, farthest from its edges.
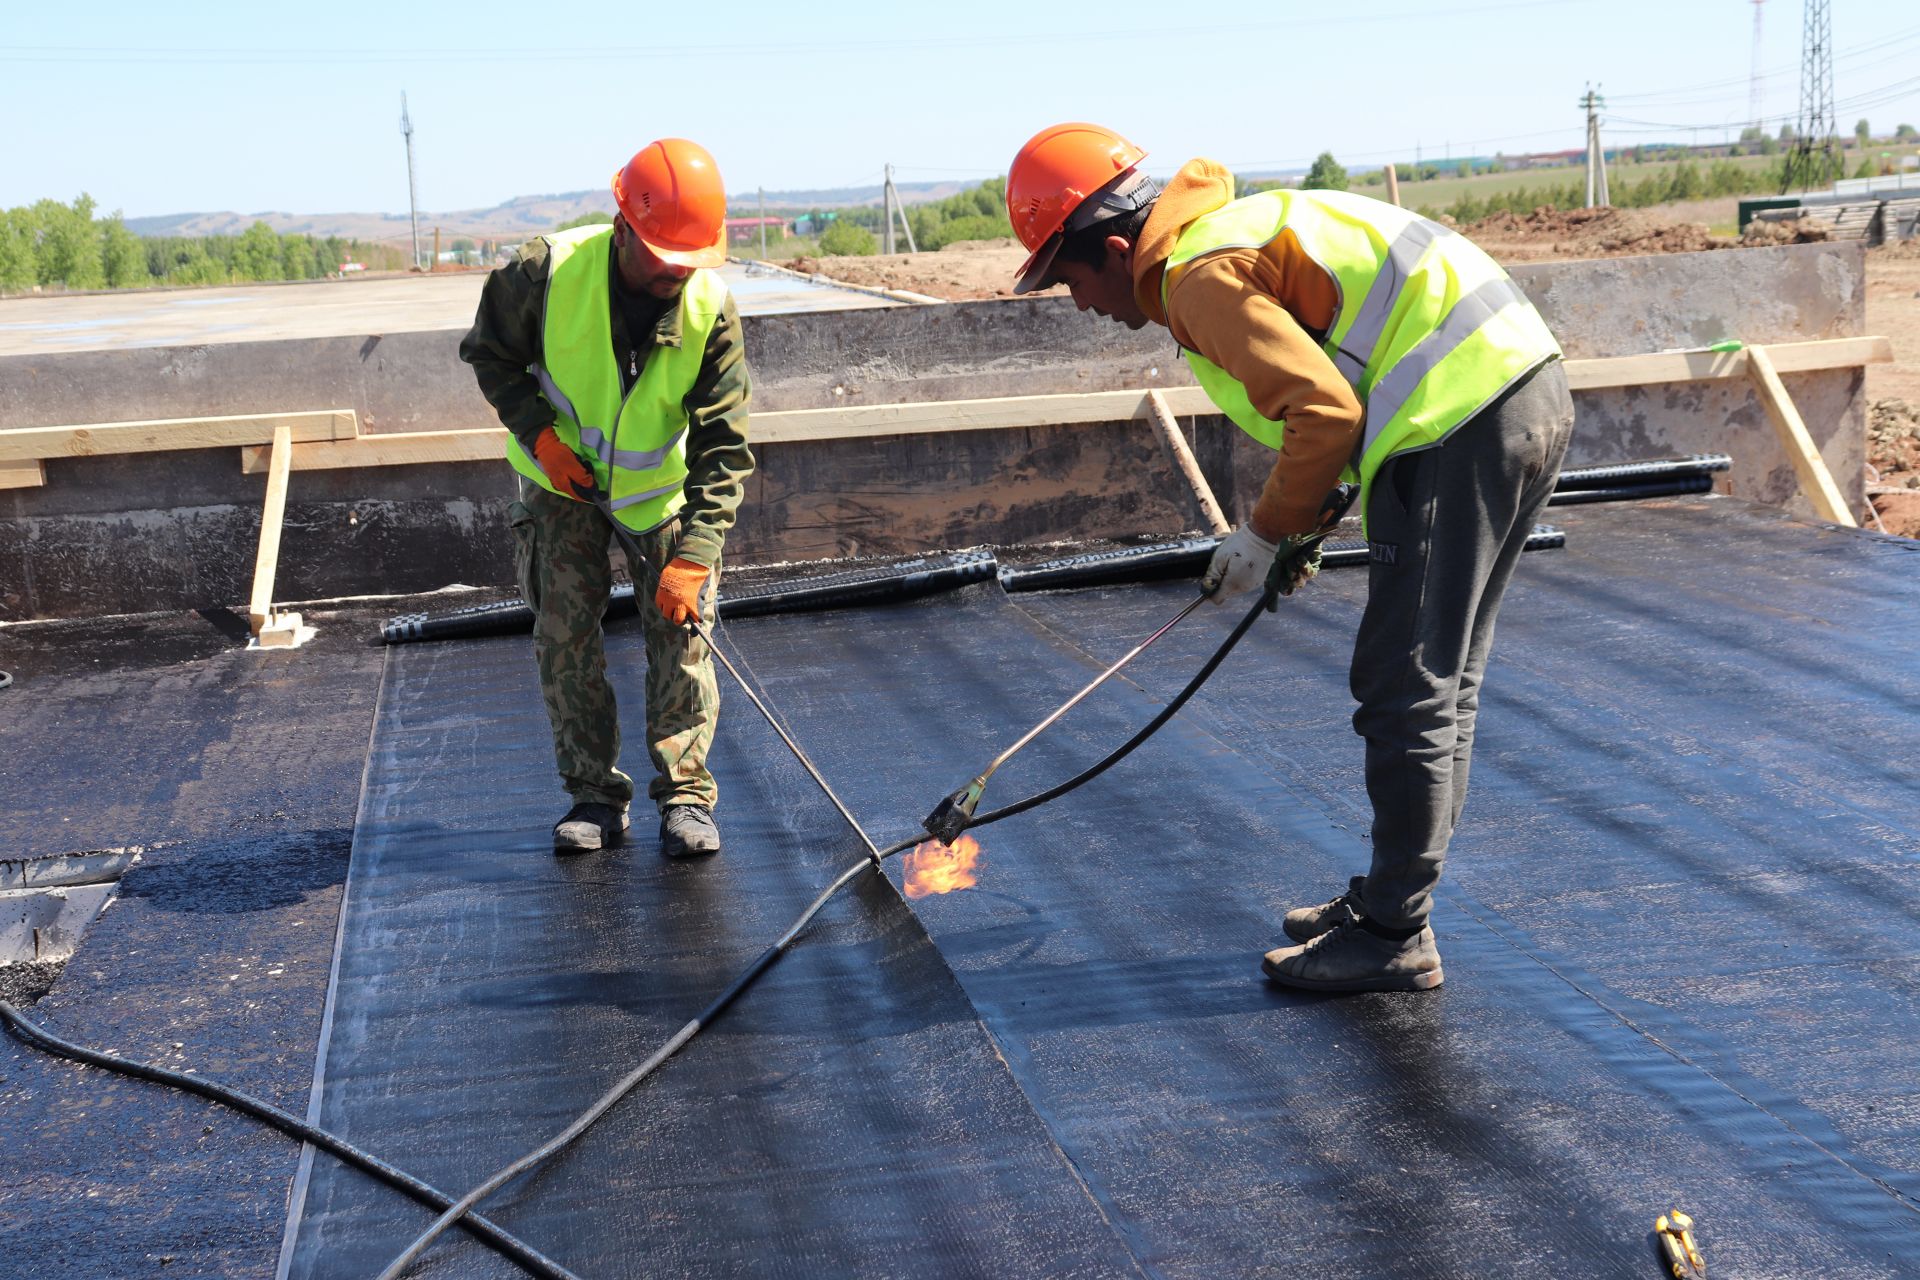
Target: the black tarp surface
(1680, 929)
(1680, 926)
(240, 773)
(849, 1118)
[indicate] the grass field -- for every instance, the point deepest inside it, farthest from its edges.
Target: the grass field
(1438, 193)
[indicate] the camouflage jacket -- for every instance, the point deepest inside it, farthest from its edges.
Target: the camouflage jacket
(506, 338)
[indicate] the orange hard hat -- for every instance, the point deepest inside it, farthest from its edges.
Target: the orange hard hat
(671, 196)
(1052, 182)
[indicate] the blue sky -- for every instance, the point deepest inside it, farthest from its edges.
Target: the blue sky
(252, 107)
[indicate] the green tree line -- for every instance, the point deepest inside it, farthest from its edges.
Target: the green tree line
(54, 245)
(1686, 181)
(978, 213)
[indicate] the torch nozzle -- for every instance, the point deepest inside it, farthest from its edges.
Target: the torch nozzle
(954, 814)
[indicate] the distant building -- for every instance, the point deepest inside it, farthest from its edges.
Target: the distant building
(744, 230)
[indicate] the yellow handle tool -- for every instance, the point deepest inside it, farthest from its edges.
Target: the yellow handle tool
(1674, 1231)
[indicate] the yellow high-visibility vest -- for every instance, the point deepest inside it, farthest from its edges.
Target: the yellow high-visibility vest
(637, 443)
(1429, 328)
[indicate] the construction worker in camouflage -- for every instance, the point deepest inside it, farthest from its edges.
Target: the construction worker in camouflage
(614, 356)
(1368, 345)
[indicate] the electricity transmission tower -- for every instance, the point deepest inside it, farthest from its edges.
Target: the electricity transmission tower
(1596, 156)
(1815, 158)
(413, 194)
(1753, 81)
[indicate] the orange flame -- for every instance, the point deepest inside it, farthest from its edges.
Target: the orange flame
(933, 867)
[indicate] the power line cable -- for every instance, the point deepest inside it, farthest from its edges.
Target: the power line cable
(784, 49)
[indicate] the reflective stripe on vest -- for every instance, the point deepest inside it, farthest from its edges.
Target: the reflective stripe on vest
(1370, 321)
(595, 441)
(1427, 329)
(636, 442)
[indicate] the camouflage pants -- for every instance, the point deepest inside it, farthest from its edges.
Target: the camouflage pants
(560, 553)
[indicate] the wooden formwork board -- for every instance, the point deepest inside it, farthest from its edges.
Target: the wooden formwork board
(103, 438)
(23, 475)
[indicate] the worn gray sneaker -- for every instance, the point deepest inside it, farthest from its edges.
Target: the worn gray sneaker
(1304, 924)
(688, 831)
(1349, 958)
(589, 825)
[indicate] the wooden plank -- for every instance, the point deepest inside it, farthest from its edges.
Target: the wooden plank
(1168, 429)
(1815, 480)
(23, 475)
(852, 422)
(1704, 366)
(858, 421)
(487, 444)
(98, 439)
(273, 513)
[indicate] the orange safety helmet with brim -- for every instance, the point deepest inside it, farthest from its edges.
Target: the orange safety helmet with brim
(671, 195)
(1065, 179)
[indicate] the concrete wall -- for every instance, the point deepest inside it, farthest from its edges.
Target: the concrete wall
(176, 530)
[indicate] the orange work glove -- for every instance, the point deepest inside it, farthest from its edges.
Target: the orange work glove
(679, 594)
(562, 465)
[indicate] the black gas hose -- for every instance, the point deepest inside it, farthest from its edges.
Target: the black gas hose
(39, 1037)
(765, 960)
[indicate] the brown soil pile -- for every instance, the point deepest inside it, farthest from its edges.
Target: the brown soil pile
(1893, 450)
(1763, 231)
(981, 246)
(1548, 232)
(982, 269)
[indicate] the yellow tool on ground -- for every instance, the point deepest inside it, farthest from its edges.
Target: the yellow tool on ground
(1674, 1231)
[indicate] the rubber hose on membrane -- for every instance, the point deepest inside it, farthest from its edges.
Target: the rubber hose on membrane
(765, 960)
(510, 1246)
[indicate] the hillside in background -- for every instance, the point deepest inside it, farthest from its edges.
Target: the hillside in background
(510, 220)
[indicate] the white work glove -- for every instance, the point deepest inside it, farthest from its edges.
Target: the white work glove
(1240, 564)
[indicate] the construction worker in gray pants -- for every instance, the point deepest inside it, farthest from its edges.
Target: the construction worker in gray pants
(1366, 344)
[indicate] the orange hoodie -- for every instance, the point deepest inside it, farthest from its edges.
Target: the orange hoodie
(1260, 314)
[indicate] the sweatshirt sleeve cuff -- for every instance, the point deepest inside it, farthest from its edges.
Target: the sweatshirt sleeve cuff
(702, 546)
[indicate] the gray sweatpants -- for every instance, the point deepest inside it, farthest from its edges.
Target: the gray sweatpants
(1446, 526)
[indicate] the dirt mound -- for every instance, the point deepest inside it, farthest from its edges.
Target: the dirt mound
(985, 270)
(1548, 232)
(1766, 231)
(979, 246)
(1893, 436)
(1893, 451)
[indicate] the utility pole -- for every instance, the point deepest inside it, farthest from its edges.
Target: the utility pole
(1596, 156)
(886, 209)
(763, 223)
(413, 195)
(890, 203)
(1815, 158)
(1753, 78)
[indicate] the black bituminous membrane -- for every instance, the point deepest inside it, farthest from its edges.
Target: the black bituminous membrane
(240, 772)
(1678, 925)
(848, 1118)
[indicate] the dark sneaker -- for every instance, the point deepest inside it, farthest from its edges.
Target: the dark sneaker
(1304, 924)
(1349, 958)
(589, 826)
(688, 831)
